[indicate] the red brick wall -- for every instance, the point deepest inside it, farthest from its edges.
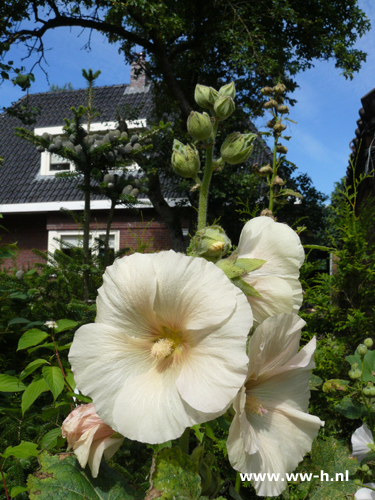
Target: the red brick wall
(31, 231)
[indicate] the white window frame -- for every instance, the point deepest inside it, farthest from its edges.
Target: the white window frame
(45, 161)
(54, 236)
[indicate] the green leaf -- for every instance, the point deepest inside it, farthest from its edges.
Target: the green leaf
(23, 450)
(198, 433)
(69, 377)
(17, 489)
(333, 459)
(175, 476)
(158, 447)
(50, 439)
(11, 384)
(230, 268)
(351, 408)
(31, 367)
(47, 345)
(368, 364)
(314, 382)
(18, 295)
(32, 392)
(209, 430)
(250, 264)
(62, 478)
(17, 321)
(290, 192)
(54, 378)
(31, 337)
(319, 247)
(65, 324)
(247, 289)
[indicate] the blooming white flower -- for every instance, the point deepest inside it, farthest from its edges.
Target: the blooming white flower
(168, 348)
(50, 324)
(277, 279)
(365, 493)
(272, 431)
(360, 439)
(89, 437)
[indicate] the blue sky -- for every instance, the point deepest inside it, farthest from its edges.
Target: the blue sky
(326, 111)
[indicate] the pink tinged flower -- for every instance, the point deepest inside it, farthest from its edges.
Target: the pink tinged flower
(277, 279)
(90, 437)
(360, 439)
(168, 349)
(272, 431)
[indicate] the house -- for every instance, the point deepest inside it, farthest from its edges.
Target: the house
(32, 198)
(35, 204)
(362, 158)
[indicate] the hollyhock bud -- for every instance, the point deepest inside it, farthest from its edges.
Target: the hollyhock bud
(267, 169)
(279, 88)
(270, 104)
(278, 181)
(90, 437)
(211, 243)
(224, 107)
(361, 349)
(282, 109)
(266, 91)
(237, 147)
(279, 127)
(205, 96)
(229, 90)
(368, 342)
(199, 126)
(185, 160)
(281, 149)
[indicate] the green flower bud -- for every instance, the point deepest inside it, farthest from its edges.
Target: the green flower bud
(211, 243)
(185, 160)
(279, 127)
(368, 342)
(365, 468)
(367, 391)
(224, 107)
(355, 374)
(237, 147)
(271, 123)
(266, 91)
(279, 88)
(372, 391)
(199, 125)
(229, 90)
(279, 99)
(278, 181)
(205, 96)
(270, 104)
(267, 169)
(361, 349)
(282, 109)
(281, 149)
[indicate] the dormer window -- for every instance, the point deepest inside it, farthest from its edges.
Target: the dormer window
(51, 164)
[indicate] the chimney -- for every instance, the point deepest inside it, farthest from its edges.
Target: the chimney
(138, 83)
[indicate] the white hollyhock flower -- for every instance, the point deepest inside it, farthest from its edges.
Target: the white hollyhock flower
(272, 431)
(365, 493)
(90, 437)
(360, 439)
(168, 348)
(277, 279)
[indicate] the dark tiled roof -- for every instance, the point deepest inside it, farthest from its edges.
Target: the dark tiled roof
(20, 179)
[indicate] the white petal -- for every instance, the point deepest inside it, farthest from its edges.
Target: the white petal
(277, 296)
(276, 243)
(216, 367)
(108, 446)
(149, 408)
(360, 438)
(127, 296)
(83, 445)
(365, 493)
(192, 294)
(103, 359)
(285, 436)
(274, 343)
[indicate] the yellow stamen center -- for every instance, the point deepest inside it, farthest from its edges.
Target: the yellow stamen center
(168, 342)
(254, 405)
(162, 348)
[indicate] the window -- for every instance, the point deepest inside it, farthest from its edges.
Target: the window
(52, 163)
(56, 240)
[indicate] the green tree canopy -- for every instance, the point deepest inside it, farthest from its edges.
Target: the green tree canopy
(254, 43)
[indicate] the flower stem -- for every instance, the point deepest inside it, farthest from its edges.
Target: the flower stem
(274, 168)
(203, 192)
(184, 441)
(238, 482)
(5, 484)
